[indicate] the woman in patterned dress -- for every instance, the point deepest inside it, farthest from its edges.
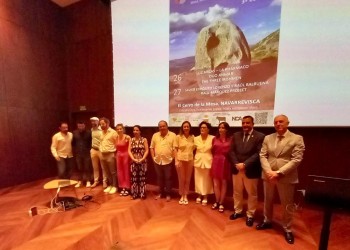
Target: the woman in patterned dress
(123, 160)
(138, 151)
(220, 168)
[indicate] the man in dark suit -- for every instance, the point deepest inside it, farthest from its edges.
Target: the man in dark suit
(246, 168)
(280, 157)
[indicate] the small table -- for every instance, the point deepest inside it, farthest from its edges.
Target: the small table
(67, 202)
(59, 183)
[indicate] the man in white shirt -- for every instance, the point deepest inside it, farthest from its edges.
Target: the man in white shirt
(61, 149)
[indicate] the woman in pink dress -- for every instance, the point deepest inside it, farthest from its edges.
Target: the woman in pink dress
(220, 168)
(123, 160)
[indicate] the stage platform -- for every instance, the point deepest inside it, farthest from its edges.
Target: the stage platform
(117, 222)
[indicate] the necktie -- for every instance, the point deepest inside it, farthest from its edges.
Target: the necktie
(246, 136)
(279, 142)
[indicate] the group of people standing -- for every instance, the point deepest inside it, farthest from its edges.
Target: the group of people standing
(104, 149)
(245, 156)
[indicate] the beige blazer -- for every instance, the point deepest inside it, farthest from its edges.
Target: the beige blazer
(285, 158)
(203, 157)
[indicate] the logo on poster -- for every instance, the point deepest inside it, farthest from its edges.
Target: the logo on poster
(236, 118)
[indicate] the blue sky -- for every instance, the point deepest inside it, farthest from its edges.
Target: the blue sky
(256, 18)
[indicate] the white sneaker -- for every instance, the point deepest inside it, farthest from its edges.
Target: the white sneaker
(107, 189)
(88, 184)
(113, 190)
(78, 184)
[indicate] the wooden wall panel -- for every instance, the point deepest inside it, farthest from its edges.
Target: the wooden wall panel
(89, 57)
(7, 163)
(33, 88)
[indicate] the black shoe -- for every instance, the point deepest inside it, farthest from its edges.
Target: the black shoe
(235, 216)
(289, 237)
(249, 222)
(263, 226)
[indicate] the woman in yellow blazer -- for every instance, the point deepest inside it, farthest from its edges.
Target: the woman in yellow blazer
(184, 145)
(202, 163)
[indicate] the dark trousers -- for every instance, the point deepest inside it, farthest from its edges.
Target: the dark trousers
(84, 167)
(164, 178)
(65, 167)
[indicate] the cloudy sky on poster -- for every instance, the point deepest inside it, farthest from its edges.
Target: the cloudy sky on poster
(256, 18)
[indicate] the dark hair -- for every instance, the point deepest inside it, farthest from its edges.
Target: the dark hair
(181, 128)
(63, 122)
(137, 126)
(206, 123)
(106, 120)
(227, 127)
(248, 116)
(164, 122)
(120, 125)
(80, 122)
